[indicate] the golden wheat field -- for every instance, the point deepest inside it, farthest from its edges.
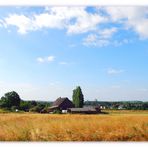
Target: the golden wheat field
(116, 126)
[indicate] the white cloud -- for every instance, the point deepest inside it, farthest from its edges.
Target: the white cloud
(112, 71)
(22, 22)
(93, 40)
(45, 59)
(50, 58)
(131, 17)
(40, 59)
(103, 42)
(74, 19)
(121, 42)
(101, 38)
(86, 22)
(107, 33)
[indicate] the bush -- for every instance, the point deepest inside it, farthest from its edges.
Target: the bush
(25, 105)
(14, 108)
(57, 111)
(37, 109)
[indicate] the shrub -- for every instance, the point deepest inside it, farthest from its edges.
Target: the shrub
(57, 111)
(37, 109)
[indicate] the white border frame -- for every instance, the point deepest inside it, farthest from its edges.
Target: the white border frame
(73, 2)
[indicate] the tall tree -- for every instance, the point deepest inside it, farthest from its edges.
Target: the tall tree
(10, 99)
(78, 98)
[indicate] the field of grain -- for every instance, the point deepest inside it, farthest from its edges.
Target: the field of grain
(118, 126)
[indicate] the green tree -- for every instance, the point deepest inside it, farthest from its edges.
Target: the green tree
(37, 108)
(10, 99)
(78, 98)
(25, 105)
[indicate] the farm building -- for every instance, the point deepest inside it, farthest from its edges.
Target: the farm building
(85, 110)
(66, 106)
(61, 104)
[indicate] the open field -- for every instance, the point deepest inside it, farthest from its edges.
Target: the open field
(116, 126)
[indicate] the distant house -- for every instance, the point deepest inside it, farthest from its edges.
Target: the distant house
(61, 104)
(102, 107)
(85, 110)
(120, 107)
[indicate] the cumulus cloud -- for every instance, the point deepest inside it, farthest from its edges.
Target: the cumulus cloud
(107, 32)
(50, 58)
(112, 71)
(78, 20)
(86, 23)
(22, 22)
(90, 39)
(73, 19)
(45, 59)
(101, 38)
(131, 17)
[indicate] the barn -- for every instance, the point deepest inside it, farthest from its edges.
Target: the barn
(61, 104)
(66, 106)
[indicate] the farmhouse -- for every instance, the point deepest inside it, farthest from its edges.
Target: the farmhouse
(85, 110)
(66, 106)
(61, 104)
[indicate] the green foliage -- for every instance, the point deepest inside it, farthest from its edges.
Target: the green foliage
(128, 105)
(78, 98)
(33, 103)
(25, 105)
(45, 103)
(34, 109)
(3, 110)
(57, 111)
(37, 108)
(13, 108)
(33, 106)
(10, 99)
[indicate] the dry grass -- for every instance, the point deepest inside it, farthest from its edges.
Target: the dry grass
(44, 127)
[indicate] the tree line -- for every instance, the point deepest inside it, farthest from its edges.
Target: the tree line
(11, 101)
(127, 105)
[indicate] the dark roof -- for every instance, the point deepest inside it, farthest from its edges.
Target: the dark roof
(59, 101)
(85, 109)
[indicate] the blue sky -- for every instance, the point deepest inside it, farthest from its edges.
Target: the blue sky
(45, 52)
